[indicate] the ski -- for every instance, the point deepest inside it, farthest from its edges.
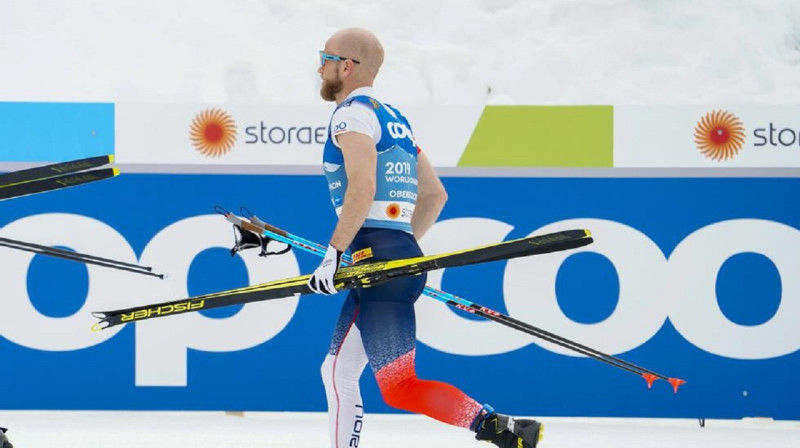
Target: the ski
(77, 256)
(349, 277)
(255, 225)
(55, 183)
(56, 169)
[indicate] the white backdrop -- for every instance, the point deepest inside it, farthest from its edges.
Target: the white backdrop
(442, 52)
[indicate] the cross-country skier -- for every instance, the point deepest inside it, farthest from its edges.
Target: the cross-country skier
(387, 195)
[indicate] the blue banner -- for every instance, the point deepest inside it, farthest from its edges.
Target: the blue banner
(692, 278)
(55, 132)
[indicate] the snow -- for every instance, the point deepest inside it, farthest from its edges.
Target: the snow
(442, 52)
(62, 429)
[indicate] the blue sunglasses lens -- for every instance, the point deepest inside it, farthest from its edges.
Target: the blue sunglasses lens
(326, 57)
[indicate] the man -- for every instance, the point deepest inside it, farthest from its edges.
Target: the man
(387, 195)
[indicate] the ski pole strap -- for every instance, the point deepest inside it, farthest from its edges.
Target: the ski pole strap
(245, 239)
(265, 252)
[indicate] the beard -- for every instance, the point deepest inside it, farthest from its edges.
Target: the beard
(330, 89)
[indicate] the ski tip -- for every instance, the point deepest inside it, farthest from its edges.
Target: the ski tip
(676, 383)
(587, 232)
(98, 326)
(115, 172)
(650, 378)
(110, 158)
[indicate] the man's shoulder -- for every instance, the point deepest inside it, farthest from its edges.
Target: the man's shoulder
(361, 100)
(363, 103)
(347, 103)
(353, 107)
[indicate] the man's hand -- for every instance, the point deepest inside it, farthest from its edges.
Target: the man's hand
(322, 280)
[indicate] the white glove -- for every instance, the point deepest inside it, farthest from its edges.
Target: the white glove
(321, 282)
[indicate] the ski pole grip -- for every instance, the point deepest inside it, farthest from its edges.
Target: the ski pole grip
(250, 227)
(233, 219)
(274, 229)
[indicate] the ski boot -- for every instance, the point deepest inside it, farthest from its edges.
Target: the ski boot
(508, 432)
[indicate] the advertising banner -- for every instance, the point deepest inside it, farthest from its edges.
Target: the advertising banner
(452, 136)
(693, 278)
(491, 136)
(266, 135)
(707, 136)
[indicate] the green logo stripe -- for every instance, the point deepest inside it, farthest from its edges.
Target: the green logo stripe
(547, 136)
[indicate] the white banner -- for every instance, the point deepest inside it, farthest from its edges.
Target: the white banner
(266, 135)
(707, 136)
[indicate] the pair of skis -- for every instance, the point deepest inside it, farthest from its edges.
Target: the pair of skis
(374, 273)
(55, 177)
(349, 277)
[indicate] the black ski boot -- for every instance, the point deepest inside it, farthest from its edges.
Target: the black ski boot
(507, 432)
(4, 443)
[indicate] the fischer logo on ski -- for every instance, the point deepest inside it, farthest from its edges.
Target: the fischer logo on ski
(164, 310)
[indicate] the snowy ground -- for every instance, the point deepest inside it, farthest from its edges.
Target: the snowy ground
(39, 429)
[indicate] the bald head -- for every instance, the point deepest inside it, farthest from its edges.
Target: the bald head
(361, 45)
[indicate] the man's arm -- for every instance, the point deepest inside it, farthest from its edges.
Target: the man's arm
(360, 161)
(431, 197)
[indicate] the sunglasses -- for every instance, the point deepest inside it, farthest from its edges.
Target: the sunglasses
(324, 57)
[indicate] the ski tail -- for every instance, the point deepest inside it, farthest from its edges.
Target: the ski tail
(55, 183)
(552, 242)
(54, 170)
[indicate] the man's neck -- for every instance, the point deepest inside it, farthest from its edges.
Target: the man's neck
(341, 96)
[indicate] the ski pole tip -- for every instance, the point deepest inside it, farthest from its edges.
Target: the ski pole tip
(676, 383)
(650, 378)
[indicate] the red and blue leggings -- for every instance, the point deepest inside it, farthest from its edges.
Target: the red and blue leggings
(377, 326)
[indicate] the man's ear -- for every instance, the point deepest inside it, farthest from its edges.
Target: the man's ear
(348, 68)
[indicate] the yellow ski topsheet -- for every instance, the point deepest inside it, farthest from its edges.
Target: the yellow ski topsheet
(56, 169)
(48, 184)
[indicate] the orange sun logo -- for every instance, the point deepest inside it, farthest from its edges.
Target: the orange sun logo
(213, 132)
(719, 135)
(393, 210)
